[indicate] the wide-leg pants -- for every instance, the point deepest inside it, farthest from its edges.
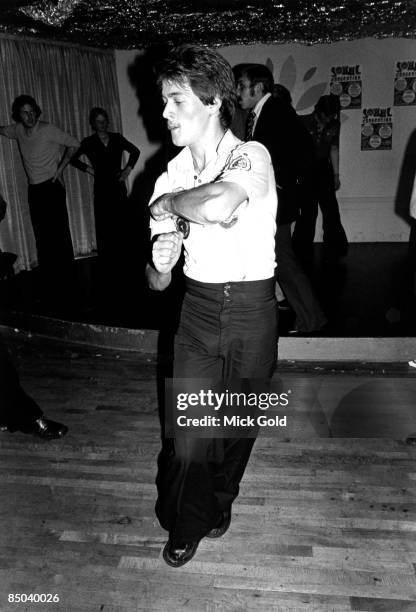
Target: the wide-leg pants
(229, 332)
(49, 216)
(296, 285)
(319, 190)
(17, 409)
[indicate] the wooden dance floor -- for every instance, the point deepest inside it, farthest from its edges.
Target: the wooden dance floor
(325, 520)
(369, 294)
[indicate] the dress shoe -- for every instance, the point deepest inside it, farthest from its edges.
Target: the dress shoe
(45, 429)
(178, 556)
(222, 525)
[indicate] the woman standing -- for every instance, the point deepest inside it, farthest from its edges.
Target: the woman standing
(104, 151)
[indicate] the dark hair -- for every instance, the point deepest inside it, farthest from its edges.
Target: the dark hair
(238, 70)
(208, 74)
(21, 101)
(280, 92)
(94, 112)
(256, 73)
(329, 105)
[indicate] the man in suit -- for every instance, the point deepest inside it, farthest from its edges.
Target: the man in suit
(273, 122)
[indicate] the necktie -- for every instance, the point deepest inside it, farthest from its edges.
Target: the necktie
(249, 125)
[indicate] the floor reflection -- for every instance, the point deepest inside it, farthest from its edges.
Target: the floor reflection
(370, 294)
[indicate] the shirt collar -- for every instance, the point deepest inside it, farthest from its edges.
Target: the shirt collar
(257, 109)
(226, 143)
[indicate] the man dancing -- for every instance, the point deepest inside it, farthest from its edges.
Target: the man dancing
(218, 201)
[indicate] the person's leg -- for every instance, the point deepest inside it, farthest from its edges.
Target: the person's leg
(186, 504)
(17, 409)
(49, 216)
(334, 236)
(249, 346)
(198, 479)
(296, 285)
(304, 230)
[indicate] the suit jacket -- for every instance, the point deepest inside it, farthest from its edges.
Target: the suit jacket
(291, 148)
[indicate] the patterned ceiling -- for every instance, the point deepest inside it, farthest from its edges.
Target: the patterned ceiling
(133, 24)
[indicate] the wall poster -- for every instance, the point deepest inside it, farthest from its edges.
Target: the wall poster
(376, 129)
(347, 84)
(405, 84)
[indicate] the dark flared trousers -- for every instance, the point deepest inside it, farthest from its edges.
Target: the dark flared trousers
(17, 409)
(226, 332)
(296, 285)
(49, 216)
(319, 190)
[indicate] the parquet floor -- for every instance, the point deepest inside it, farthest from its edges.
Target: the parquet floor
(321, 524)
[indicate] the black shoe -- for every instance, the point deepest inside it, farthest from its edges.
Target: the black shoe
(221, 526)
(46, 429)
(176, 557)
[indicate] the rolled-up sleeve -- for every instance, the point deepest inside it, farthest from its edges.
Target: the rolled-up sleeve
(10, 131)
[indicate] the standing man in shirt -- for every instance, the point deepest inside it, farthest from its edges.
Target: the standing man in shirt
(274, 122)
(45, 151)
(217, 200)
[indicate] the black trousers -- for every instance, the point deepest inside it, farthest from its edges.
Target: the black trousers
(319, 190)
(17, 409)
(110, 216)
(296, 285)
(227, 331)
(49, 216)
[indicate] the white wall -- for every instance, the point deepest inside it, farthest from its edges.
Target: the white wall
(369, 178)
(132, 124)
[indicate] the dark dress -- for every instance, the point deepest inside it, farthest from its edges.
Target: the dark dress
(110, 194)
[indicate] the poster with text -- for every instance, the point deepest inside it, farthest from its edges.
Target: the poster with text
(376, 129)
(405, 83)
(347, 84)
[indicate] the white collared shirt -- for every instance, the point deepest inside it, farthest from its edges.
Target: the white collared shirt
(246, 250)
(258, 108)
